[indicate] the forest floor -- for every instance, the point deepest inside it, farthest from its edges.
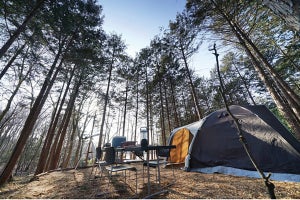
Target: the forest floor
(85, 183)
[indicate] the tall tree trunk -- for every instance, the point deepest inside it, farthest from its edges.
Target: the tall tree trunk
(292, 98)
(20, 29)
(147, 104)
(125, 108)
(42, 163)
(31, 119)
(162, 115)
(293, 63)
(65, 122)
(167, 106)
(107, 131)
(11, 61)
(80, 141)
(70, 147)
(9, 102)
(185, 106)
(194, 95)
(90, 141)
(106, 101)
(25, 159)
(245, 84)
(137, 109)
(286, 110)
(177, 123)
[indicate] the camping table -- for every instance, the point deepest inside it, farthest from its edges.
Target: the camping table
(147, 149)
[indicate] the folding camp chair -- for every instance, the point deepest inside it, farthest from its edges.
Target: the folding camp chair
(162, 160)
(98, 160)
(110, 165)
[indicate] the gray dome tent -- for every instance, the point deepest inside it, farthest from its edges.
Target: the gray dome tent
(215, 146)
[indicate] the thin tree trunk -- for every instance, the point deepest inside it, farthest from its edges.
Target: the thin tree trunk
(42, 164)
(106, 101)
(20, 29)
(167, 107)
(80, 141)
(72, 139)
(31, 119)
(162, 115)
(185, 105)
(137, 109)
(147, 104)
(70, 147)
(9, 102)
(195, 99)
(285, 109)
(11, 61)
(245, 84)
(125, 108)
(288, 93)
(296, 67)
(65, 122)
(177, 123)
(90, 141)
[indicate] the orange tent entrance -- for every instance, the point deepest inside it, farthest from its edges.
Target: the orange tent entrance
(182, 139)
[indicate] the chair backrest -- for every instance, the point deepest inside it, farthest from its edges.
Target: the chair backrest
(98, 153)
(163, 153)
(110, 155)
(139, 153)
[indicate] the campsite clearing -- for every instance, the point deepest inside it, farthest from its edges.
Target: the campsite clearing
(79, 184)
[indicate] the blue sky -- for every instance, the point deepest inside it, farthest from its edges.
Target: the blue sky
(138, 21)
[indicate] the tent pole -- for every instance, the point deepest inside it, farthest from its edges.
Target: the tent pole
(270, 186)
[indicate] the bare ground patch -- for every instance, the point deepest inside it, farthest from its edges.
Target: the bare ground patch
(86, 183)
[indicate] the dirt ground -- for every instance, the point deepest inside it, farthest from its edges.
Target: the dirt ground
(86, 183)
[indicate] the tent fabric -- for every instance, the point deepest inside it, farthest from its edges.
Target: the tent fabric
(182, 140)
(247, 173)
(216, 141)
